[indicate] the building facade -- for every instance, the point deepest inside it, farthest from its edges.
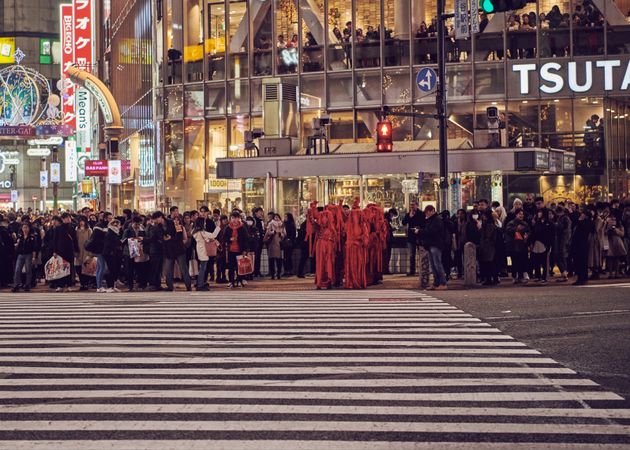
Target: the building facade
(210, 60)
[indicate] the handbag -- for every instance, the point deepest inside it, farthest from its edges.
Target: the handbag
(245, 265)
(88, 267)
(212, 247)
(56, 268)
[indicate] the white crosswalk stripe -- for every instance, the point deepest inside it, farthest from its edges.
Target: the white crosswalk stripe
(386, 369)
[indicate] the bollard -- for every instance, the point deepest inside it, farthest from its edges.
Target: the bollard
(470, 264)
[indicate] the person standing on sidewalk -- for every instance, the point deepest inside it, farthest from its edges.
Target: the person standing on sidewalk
(65, 245)
(112, 252)
(580, 246)
(433, 241)
(175, 250)
(562, 242)
(26, 252)
(236, 244)
(414, 220)
(260, 229)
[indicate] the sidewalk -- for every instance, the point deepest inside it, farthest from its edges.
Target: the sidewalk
(390, 282)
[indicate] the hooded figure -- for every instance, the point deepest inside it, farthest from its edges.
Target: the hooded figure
(357, 238)
(377, 243)
(321, 228)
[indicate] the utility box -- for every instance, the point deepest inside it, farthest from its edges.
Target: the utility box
(280, 108)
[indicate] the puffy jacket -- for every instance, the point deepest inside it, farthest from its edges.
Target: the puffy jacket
(433, 233)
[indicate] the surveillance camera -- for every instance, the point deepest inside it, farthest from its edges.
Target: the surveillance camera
(254, 134)
(492, 112)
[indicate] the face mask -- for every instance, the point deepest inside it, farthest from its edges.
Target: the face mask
(250, 223)
(475, 216)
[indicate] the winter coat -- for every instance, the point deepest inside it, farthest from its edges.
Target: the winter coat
(543, 231)
(273, 237)
(64, 242)
(512, 244)
(131, 233)
(487, 244)
(83, 235)
(433, 233)
(201, 237)
(26, 245)
(242, 239)
(616, 246)
(155, 237)
(111, 243)
(416, 222)
(596, 243)
(563, 228)
(175, 246)
(582, 235)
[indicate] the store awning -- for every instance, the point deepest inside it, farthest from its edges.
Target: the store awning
(531, 159)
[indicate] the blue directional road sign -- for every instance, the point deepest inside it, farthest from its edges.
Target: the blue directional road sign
(426, 79)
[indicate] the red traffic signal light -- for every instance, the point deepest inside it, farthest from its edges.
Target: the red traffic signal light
(384, 140)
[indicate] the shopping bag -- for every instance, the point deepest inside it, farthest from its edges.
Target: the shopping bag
(245, 265)
(134, 247)
(211, 247)
(193, 268)
(56, 268)
(88, 268)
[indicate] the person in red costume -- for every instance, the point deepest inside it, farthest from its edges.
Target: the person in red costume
(356, 231)
(377, 242)
(321, 228)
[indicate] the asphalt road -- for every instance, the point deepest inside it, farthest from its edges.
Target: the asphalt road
(584, 328)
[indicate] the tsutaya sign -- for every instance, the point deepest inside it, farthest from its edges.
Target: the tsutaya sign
(579, 77)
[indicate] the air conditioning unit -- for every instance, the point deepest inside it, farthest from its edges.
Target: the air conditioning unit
(280, 108)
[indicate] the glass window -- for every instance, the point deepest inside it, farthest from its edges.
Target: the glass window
(261, 24)
(368, 87)
(193, 101)
(425, 43)
(238, 97)
(215, 99)
(588, 125)
(402, 126)
(312, 94)
(174, 161)
(459, 81)
(256, 87)
(588, 29)
(554, 29)
(195, 164)
(489, 43)
(215, 41)
(366, 123)
(489, 80)
(396, 89)
(174, 41)
(425, 128)
(313, 40)
(618, 35)
(341, 128)
(340, 23)
(217, 143)
(460, 131)
(287, 40)
(396, 24)
(367, 51)
(238, 37)
(238, 125)
(521, 33)
(556, 126)
(174, 103)
(193, 50)
(522, 124)
(340, 90)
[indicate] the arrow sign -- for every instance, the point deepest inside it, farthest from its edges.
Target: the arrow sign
(426, 79)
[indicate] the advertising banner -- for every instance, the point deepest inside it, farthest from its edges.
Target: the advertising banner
(96, 168)
(55, 172)
(43, 178)
(71, 161)
(83, 109)
(67, 59)
(114, 171)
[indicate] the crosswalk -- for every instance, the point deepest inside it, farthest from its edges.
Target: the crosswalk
(386, 369)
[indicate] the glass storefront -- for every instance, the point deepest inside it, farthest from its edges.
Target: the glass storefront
(354, 56)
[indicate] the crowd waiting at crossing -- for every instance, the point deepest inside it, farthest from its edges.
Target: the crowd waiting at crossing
(342, 245)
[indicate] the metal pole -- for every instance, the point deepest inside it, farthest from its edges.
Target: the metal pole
(55, 159)
(440, 103)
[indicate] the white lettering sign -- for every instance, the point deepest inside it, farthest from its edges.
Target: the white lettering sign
(83, 110)
(71, 161)
(577, 76)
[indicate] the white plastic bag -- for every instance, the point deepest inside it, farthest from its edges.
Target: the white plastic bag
(56, 268)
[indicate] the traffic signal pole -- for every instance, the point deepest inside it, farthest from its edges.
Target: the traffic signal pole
(440, 103)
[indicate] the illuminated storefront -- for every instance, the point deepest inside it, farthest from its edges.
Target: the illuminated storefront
(349, 58)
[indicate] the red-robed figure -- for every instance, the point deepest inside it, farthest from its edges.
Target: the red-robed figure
(321, 228)
(356, 232)
(377, 242)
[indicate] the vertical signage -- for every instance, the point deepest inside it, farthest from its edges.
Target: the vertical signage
(55, 172)
(43, 178)
(474, 16)
(84, 128)
(67, 60)
(82, 10)
(461, 19)
(71, 160)
(114, 171)
(14, 196)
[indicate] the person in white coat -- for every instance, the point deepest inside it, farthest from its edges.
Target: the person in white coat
(207, 246)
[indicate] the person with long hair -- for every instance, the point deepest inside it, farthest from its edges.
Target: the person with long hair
(26, 252)
(288, 244)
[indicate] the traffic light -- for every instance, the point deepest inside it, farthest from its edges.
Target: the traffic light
(495, 6)
(384, 142)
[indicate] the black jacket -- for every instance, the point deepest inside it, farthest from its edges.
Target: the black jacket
(174, 247)
(433, 233)
(416, 222)
(155, 238)
(243, 238)
(111, 244)
(64, 242)
(26, 244)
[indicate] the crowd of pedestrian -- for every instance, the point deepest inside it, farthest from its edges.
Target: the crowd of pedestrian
(146, 252)
(530, 241)
(342, 245)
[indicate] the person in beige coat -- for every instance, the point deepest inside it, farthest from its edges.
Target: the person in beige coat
(84, 233)
(273, 238)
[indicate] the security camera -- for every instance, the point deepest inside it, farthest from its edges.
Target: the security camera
(322, 121)
(492, 112)
(254, 134)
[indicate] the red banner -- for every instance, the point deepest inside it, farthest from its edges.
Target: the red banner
(96, 168)
(67, 59)
(83, 34)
